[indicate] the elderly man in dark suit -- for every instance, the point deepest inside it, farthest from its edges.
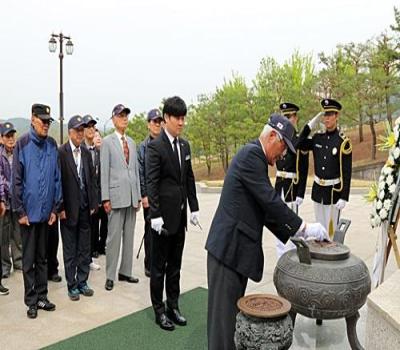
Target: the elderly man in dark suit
(80, 201)
(120, 192)
(88, 142)
(170, 185)
(248, 202)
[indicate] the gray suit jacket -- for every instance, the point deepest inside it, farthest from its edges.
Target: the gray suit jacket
(120, 182)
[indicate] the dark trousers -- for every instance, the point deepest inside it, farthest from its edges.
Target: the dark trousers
(76, 250)
(52, 249)
(166, 255)
(34, 264)
(225, 287)
(94, 233)
(147, 239)
(11, 239)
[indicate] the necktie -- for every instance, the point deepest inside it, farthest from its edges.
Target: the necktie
(126, 149)
(176, 152)
(76, 153)
(92, 153)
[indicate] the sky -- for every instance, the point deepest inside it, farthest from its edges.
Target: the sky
(139, 52)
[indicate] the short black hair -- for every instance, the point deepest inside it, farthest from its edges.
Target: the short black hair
(175, 106)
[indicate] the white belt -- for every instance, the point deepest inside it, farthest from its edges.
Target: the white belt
(285, 174)
(323, 182)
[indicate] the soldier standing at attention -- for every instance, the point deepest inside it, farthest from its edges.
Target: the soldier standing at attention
(291, 172)
(332, 165)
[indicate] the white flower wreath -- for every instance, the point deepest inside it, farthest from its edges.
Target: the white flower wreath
(381, 193)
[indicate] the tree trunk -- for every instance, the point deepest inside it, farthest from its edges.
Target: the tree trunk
(388, 112)
(373, 134)
(360, 127)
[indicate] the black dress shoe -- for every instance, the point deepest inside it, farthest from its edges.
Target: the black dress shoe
(175, 316)
(147, 272)
(129, 279)
(164, 322)
(55, 278)
(46, 305)
(109, 285)
(95, 255)
(32, 311)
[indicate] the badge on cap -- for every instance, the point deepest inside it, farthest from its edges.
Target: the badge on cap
(7, 125)
(279, 125)
(79, 119)
(47, 110)
(284, 105)
(326, 102)
(334, 151)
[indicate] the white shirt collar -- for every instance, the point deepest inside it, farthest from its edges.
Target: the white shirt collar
(119, 135)
(73, 146)
(170, 137)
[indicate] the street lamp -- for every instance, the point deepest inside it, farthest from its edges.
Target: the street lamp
(69, 48)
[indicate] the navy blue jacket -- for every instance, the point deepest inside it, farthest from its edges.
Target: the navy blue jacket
(36, 179)
(247, 203)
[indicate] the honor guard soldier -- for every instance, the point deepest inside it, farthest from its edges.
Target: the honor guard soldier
(332, 165)
(291, 174)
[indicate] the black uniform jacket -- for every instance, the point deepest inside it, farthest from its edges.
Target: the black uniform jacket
(168, 188)
(96, 166)
(293, 163)
(70, 182)
(326, 148)
(248, 202)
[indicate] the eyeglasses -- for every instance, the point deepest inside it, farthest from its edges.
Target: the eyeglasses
(157, 121)
(280, 138)
(44, 121)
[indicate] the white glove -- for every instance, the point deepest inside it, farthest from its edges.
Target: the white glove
(341, 203)
(314, 121)
(299, 201)
(194, 218)
(157, 224)
(315, 231)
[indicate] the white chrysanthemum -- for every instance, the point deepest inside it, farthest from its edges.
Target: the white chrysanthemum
(381, 178)
(389, 180)
(387, 203)
(381, 194)
(383, 214)
(391, 158)
(372, 222)
(392, 188)
(396, 153)
(377, 220)
(396, 131)
(379, 205)
(387, 170)
(381, 185)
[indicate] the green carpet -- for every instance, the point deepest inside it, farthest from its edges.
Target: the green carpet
(139, 331)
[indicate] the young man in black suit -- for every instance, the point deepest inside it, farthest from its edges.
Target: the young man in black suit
(170, 185)
(80, 201)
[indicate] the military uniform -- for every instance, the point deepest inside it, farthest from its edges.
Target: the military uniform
(291, 175)
(332, 152)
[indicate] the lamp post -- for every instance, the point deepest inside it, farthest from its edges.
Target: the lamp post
(69, 48)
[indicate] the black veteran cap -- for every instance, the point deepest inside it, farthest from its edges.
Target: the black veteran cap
(118, 109)
(76, 122)
(41, 111)
(288, 108)
(6, 128)
(154, 114)
(88, 119)
(330, 105)
(284, 127)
